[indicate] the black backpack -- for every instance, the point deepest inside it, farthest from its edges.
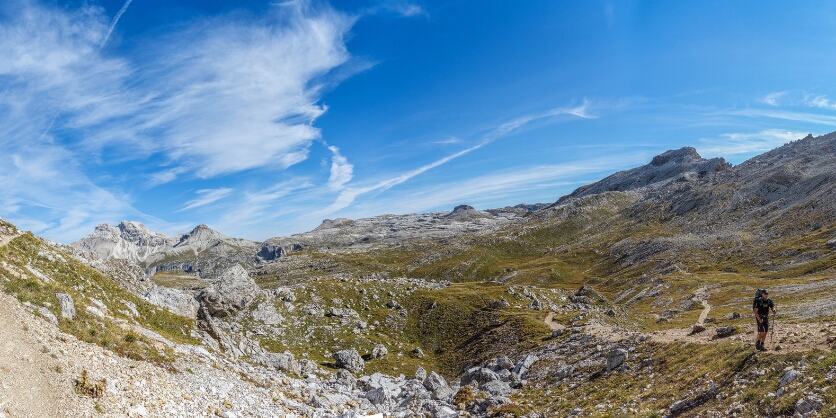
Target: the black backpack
(759, 298)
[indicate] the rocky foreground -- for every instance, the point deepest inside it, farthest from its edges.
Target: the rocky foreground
(50, 373)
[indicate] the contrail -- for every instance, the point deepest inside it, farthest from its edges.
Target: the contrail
(115, 21)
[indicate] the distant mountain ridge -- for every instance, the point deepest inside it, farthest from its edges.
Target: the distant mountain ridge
(782, 193)
(135, 243)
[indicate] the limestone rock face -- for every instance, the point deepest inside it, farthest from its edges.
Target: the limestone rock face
(177, 301)
(234, 290)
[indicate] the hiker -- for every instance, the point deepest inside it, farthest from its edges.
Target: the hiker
(761, 308)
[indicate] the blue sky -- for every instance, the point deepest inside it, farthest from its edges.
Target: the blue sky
(261, 118)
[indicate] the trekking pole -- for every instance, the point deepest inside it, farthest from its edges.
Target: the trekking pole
(772, 333)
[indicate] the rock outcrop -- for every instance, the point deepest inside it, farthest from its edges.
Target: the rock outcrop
(234, 290)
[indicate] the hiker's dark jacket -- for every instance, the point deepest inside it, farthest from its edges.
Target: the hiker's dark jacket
(763, 306)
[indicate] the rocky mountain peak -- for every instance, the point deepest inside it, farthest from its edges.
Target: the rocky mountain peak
(329, 223)
(663, 168)
(138, 233)
(679, 156)
(465, 212)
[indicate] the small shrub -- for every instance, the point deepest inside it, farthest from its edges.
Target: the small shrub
(84, 386)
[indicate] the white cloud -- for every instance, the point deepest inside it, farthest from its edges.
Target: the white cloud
(221, 96)
(772, 98)
(207, 196)
(746, 143)
(819, 101)
(341, 170)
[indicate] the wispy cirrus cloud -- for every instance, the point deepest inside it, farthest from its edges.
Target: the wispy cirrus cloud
(805, 117)
(348, 195)
(732, 144)
(207, 196)
(507, 184)
(192, 105)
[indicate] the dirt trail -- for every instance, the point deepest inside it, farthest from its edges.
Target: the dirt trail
(704, 313)
(30, 385)
(551, 322)
(789, 337)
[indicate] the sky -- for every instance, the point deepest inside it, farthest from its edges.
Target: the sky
(261, 119)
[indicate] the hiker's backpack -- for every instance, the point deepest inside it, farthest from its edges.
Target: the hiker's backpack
(759, 298)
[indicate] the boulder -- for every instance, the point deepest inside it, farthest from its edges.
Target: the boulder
(176, 301)
(616, 358)
(349, 360)
(343, 312)
(697, 328)
(726, 331)
(418, 353)
(503, 362)
(522, 367)
(484, 375)
(497, 388)
(67, 305)
(379, 351)
(233, 291)
(436, 384)
(808, 405)
(788, 377)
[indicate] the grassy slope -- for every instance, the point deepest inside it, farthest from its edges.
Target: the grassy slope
(83, 283)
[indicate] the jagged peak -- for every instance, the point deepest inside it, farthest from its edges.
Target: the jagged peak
(682, 155)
